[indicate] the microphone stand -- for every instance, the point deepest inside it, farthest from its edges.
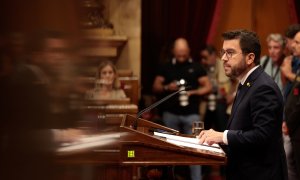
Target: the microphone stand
(135, 123)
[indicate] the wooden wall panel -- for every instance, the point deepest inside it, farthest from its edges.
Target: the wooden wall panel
(261, 16)
(271, 16)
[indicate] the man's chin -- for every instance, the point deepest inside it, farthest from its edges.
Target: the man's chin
(229, 74)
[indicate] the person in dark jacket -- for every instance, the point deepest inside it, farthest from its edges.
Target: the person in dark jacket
(253, 139)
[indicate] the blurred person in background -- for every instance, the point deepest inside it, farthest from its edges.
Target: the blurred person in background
(289, 38)
(182, 110)
(107, 84)
(271, 63)
(292, 110)
(34, 102)
(215, 116)
(289, 69)
(50, 52)
(291, 63)
(27, 146)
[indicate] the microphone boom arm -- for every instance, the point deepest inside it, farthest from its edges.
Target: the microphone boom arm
(154, 105)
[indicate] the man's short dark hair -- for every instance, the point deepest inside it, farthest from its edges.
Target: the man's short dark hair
(292, 31)
(210, 49)
(249, 42)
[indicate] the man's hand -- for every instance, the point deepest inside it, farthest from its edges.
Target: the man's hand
(286, 69)
(210, 137)
(172, 86)
(285, 129)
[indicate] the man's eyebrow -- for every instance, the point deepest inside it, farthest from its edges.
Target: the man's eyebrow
(229, 49)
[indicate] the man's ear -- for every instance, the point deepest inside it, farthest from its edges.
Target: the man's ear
(250, 58)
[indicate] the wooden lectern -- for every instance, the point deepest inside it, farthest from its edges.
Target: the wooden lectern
(127, 149)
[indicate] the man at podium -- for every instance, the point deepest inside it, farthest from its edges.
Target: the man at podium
(253, 136)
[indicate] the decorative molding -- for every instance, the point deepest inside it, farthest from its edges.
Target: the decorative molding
(101, 45)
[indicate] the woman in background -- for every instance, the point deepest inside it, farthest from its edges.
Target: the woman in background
(107, 84)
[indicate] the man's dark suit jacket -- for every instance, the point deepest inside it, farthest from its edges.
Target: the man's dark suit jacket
(292, 114)
(292, 110)
(255, 148)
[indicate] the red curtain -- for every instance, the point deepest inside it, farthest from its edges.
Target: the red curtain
(165, 20)
(215, 21)
(297, 7)
(294, 9)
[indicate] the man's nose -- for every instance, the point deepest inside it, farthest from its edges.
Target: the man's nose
(224, 57)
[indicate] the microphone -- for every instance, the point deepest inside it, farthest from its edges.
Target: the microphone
(135, 123)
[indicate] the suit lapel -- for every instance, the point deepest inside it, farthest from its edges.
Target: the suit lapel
(243, 91)
(238, 99)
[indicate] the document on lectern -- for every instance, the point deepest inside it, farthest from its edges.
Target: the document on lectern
(189, 142)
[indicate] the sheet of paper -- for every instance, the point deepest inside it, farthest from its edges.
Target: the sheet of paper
(196, 146)
(183, 139)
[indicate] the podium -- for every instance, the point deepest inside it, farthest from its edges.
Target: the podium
(118, 154)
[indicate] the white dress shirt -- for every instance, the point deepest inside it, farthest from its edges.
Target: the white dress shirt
(242, 81)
